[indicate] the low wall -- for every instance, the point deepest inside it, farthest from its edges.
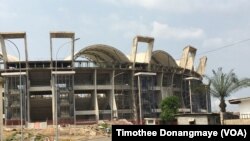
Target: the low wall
(37, 125)
(237, 122)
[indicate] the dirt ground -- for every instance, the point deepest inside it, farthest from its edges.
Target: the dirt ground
(93, 132)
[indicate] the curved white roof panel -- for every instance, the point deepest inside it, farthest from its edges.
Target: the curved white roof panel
(102, 53)
(10, 57)
(163, 58)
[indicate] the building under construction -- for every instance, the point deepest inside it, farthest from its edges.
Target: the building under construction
(99, 82)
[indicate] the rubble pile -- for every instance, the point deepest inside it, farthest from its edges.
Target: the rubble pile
(71, 132)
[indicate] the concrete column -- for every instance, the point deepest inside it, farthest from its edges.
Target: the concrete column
(172, 81)
(134, 109)
(149, 53)
(72, 50)
(202, 66)
(74, 101)
(188, 56)
(51, 52)
(26, 50)
(53, 100)
(95, 96)
(160, 82)
(113, 106)
(134, 51)
(4, 53)
(140, 104)
(1, 110)
(190, 96)
(28, 102)
(115, 114)
(5, 99)
(111, 102)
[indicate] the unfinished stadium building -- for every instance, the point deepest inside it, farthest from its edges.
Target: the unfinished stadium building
(99, 82)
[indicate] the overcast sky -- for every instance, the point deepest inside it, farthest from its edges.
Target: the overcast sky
(205, 24)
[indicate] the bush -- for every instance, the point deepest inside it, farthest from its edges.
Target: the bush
(169, 107)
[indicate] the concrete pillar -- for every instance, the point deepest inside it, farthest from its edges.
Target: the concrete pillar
(51, 57)
(148, 54)
(111, 103)
(134, 109)
(134, 51)
(95, 96)
(74, 101)
(26, 51)
(72, 50)
(187, 58)
(202, 65)
(28, 102)
(113, 106)
(140, 103)
(1, 110)
(53, 100)
(160, 82)
(3, 48)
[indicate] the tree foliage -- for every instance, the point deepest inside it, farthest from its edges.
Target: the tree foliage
(222, 85)
(169, 107)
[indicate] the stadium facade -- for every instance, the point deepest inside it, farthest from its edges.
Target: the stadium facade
(99, 82)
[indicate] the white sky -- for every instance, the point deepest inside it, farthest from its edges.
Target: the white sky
(204, 24)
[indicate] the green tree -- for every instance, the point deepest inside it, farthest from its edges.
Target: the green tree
(169, 107)
(222, 85)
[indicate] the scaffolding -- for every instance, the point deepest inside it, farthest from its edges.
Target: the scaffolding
(146, 95)
(65, 98)
(123, 97)
(149, 104)
(13, 94)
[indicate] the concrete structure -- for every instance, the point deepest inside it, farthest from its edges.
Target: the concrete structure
(1, 110)
(244, 117)
(96, 83)
(198, 119)
(244, 104)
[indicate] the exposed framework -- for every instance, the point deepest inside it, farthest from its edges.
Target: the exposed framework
(106, 85)
(15, 93)
(63, 82)
(8, 36)
(148, 54)
(145, 95)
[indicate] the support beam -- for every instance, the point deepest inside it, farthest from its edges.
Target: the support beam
(160, 81)
(139, 75)
(3, 48)
(1, 110)
(28, 102)
(53, 100)
(13, 35)
(148, 54)
(62, 34)
(95, 96)
(202, 66)
(187, 58)
(112, 95)
(135, 114)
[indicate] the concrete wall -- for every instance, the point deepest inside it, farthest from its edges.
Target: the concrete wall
(37, 125)
(237, 122)
(244, 109)
(199, 119)
(202, 120)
